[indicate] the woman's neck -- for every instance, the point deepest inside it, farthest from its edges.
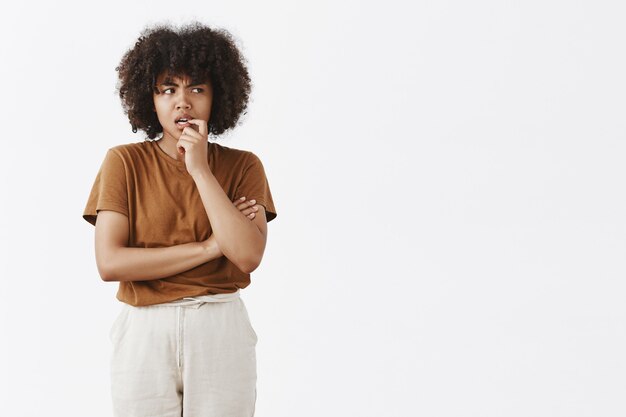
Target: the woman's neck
(168, 145)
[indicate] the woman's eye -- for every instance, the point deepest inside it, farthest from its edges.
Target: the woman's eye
(195, 88)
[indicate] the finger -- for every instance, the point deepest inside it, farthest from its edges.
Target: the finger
(241, 205)
(192, 133)
(250, 209)
(249, 206)
(202, 126)
(183, 143)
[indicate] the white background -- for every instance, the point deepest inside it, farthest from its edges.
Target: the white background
(448, 177)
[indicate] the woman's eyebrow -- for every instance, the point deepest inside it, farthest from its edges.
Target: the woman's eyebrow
(171, 82)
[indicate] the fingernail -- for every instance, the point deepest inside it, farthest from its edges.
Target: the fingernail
(242, 198)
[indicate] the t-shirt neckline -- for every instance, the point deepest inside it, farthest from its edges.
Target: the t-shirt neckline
(164, 155)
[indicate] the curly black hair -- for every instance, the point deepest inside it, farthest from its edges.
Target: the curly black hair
(195, 50)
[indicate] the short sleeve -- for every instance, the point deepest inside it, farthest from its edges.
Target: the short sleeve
(255, 186)
(109, 190)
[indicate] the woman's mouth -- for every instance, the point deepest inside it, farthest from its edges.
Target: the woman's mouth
(182, 123)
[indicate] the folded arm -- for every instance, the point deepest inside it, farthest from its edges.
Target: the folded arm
(242, 242)
(118, 262)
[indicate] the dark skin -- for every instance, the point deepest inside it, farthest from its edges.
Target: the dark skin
(198, 100)
(177, 97)
(247, 207)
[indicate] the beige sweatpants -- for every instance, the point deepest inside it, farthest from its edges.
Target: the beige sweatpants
(194, 357)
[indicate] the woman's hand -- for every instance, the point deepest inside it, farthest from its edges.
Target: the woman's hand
(193, 144)
(248, 208)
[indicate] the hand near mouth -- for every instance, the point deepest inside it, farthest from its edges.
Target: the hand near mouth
(193, 144)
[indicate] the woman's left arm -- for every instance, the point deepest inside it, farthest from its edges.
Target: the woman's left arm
(242, 241)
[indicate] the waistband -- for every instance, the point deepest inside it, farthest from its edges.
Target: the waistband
(197, 301)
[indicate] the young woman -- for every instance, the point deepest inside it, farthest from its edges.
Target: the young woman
(181, 224)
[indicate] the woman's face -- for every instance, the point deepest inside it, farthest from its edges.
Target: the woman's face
(178, 97)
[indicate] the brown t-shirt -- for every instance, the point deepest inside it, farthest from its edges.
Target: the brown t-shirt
(164, 209)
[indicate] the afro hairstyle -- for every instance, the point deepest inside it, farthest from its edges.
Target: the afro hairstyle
(195, 50)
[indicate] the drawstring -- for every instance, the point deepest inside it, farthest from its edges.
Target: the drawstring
(196, 302)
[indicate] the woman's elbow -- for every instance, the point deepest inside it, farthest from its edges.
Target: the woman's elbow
(106, 274)
(249, 265)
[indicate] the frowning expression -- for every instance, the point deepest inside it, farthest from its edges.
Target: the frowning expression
(181, 97)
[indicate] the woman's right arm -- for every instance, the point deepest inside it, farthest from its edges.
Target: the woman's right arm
(117, 262)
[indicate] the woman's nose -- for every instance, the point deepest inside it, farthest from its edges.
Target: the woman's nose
(183, 102)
